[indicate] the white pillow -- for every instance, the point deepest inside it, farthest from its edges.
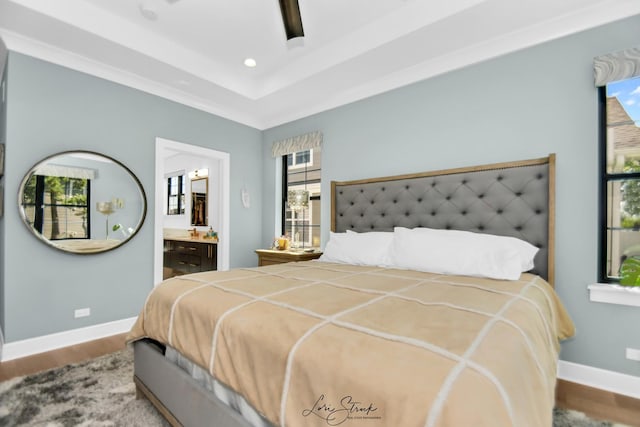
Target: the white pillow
(461, 253)
(370, 248)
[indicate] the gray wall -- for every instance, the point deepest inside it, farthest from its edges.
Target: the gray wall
(52, 109)
(519, 106)
(524, 105)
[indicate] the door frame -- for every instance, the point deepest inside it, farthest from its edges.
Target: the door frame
(165, 148)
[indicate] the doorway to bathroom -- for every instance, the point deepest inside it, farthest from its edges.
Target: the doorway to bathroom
(172, 157)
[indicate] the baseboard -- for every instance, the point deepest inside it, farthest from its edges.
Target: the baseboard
(28, 347)
(627, 385)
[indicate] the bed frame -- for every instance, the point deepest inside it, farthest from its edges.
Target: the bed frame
(511, 199)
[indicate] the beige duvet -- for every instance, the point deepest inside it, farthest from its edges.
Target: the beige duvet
(317, 344)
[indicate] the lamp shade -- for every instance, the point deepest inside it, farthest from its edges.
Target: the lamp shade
(105, 208)
(298, 199)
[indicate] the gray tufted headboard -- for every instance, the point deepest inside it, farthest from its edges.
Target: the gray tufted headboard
(510, 199)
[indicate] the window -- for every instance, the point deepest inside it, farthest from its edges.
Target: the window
(301, 221)
(620, 176)
(175, 195)
(57, 206)
(300, 159)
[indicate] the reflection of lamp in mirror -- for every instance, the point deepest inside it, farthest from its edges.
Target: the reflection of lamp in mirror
(298, 200)
(106, 208)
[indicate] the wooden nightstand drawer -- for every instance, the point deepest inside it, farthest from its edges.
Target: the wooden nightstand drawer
(273, 256)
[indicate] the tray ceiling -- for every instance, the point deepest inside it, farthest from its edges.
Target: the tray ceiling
(193, 51)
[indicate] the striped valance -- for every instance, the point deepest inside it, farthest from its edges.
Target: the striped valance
(65, 171)
(304, 142)
(616, 66)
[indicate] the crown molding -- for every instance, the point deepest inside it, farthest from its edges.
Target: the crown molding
(27, 46)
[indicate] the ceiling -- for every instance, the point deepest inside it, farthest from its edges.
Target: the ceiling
(193, 51)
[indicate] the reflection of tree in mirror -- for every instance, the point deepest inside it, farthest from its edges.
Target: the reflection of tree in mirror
(29, 192)
(630, 192)
(56, 206)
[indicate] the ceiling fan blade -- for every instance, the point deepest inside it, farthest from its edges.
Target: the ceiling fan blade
(291, 18)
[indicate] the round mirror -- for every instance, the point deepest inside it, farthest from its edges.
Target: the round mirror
(82, 202)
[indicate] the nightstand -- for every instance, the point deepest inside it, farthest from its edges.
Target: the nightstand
(275, 256)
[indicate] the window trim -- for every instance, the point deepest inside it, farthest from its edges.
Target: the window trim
(602, 186)
(605, 178)
(283, 205)
(615, 294)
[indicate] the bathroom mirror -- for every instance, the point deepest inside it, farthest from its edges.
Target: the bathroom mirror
(199, 201)
(82, 202)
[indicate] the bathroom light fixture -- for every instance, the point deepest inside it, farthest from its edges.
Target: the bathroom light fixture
(250, 62)
(199, 173)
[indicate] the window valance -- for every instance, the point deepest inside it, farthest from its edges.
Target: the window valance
(66, 171)
(307, 141)
(616, 66)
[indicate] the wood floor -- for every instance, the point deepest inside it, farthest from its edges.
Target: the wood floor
(60, 357)
(596, 403)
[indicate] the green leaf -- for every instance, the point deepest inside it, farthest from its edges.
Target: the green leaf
(630, 272)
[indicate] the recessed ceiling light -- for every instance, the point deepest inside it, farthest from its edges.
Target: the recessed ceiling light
(250, 62)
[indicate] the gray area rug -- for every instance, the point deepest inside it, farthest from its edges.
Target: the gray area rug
(100, 392)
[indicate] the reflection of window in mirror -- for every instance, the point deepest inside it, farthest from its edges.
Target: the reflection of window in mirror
(57, 206)
(175, 192)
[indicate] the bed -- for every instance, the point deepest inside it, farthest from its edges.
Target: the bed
(86, 245)
(370, 335)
